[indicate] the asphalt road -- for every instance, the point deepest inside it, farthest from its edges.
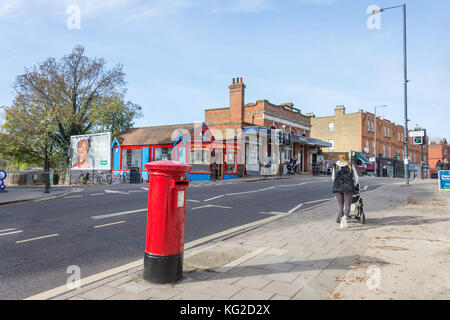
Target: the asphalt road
(102, 227)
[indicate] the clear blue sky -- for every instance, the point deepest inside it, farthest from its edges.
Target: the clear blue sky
(181, 55)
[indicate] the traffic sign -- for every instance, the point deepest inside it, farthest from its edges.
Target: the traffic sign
(414, 134)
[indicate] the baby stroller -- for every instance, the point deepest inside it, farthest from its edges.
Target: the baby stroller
(357, 207)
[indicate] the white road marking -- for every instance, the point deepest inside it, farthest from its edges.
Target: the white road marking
(4, 230)
(244, 192)
(296, 208)
(115, 191)
(13, 232)
(269, 188)
(213, 198)
(365, 188)
(97, 194)
(273, 212)
(211, 206)
(104, 216)
(143, 188)
(288, 185)
(134, 191)
(319, 200)
(190, 200)
(109, 224)
(69, 197)
(38, 238)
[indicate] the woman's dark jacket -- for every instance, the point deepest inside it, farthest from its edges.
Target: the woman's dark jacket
(343, 179)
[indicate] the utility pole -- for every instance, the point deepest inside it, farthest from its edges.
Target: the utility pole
(405, 88)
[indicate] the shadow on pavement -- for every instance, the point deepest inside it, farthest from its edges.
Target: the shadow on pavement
(317, 265)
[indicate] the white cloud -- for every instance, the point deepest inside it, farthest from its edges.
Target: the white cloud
(9, 6)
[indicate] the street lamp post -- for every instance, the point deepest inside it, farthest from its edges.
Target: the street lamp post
(375, 138)
(405, 89)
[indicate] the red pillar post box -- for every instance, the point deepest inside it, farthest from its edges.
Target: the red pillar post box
(168, 183)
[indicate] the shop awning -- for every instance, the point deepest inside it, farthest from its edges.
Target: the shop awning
(310, 141)
(294, 138)
(362, 158)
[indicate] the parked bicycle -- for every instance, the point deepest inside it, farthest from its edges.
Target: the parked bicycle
(126, 177)
(83, 178)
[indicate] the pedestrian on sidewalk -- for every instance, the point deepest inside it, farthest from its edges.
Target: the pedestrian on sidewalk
(345, 178)
(438, 165)
(445, 165)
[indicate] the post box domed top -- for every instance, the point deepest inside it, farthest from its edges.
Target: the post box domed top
(168, 166)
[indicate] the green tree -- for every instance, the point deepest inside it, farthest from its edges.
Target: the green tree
(55, 100)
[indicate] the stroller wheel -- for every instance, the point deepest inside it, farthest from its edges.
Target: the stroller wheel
(363, 218)
(337, 219)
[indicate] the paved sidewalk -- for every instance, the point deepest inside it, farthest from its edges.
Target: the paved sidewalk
(20, 194)
(305, 256)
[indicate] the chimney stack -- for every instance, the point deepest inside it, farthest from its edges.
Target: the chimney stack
(237, 98)
(339, 110)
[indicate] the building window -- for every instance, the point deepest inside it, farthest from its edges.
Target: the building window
(331, 127)
(368, 125)
(131, 158)
(389, 132)
(384, 151)
(390, 152)
(163, 154)
(372, 127)
(385, 132)
(332, 146)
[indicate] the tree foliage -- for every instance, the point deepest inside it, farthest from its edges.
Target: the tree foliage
(55, 100)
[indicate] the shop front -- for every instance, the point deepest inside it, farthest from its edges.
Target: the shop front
(194, 145)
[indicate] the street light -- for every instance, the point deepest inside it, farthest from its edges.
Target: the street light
(375, 147)
(405, 72)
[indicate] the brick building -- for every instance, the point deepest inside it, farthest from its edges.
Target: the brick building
(356, 132)
(438, 151)
(255, 125)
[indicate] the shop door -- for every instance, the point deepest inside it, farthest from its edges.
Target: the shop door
(217, 160)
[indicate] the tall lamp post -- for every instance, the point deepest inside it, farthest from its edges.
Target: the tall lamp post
(375, 138)
(405, 72)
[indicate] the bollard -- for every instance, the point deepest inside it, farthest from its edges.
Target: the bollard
(163, 259)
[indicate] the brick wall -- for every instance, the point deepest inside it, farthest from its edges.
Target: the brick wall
(355, 131)
(437, 152)
(346, 133)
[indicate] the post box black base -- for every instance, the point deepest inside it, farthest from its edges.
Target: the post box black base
(163, 269)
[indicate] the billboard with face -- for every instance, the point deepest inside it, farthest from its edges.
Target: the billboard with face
(90, 152)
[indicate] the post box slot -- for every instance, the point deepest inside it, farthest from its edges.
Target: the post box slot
(181, 183)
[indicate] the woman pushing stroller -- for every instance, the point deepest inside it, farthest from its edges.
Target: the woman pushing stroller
(345, 178)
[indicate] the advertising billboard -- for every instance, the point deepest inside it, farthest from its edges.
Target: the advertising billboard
(90, 152)
(444, 180)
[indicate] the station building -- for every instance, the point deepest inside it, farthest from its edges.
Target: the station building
(233, 141)
(257, 124)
